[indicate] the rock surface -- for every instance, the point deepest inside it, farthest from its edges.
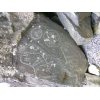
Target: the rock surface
(21, 20)
(48, 52)
(30, 82)
(9, 34)
(85, 28)
(92, 50)
(92, 80)
(78, 25)
(96, 22)
(6, 34)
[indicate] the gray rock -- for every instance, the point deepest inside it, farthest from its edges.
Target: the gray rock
(10, 30)
(91, 46)
(20, 20)
(92, 50)
(85, 24)
(92, 80)
(96, 22)
(29, 82)
(78, 25)
(78, 28)
(6, 34)
(49, 53)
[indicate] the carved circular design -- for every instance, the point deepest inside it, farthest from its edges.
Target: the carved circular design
(36, 33)
(51, 38)
(31, 59)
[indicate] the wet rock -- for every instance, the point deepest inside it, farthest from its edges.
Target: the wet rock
(48, 52)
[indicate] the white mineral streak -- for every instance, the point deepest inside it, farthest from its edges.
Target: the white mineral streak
(14, 51)
(93, 70)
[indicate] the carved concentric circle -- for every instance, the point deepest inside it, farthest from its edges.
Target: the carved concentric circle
(36, 33)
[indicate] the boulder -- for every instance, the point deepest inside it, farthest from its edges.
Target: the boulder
(48, 52)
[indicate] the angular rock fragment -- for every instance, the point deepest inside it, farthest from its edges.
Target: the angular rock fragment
(48, 52)
(78, 25)
(21, 20)
(96, 22)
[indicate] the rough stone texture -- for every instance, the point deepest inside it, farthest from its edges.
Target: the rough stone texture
(30, 82)
(92, 50)
(10, 31)
(96, 22)
(48, 52)
(6, 34)
(20, 20)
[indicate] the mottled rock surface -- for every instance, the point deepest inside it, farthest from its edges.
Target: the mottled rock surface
(96, 22)
(6, 34)
(92, 50)
(20, 20)
(30, 82)
(48, 52)
(10, 31)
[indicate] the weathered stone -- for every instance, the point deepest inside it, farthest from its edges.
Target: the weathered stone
(92, 80)
(92, 50)
(20, 20)
(29, 82)
(6, 34)
(96, 22)
(10, 31)
(85, 24)
(48, 52)
(79, 27)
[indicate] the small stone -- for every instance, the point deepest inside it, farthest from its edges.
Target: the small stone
(93, 70)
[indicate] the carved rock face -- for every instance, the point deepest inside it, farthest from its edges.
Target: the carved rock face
(48, 52)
